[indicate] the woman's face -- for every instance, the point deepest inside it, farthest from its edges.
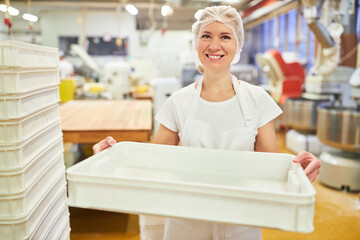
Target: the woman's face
(216, 46)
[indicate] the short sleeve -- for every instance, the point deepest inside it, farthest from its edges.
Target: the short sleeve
(268, 109)
(166, 115)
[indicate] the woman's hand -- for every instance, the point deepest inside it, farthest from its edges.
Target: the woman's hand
(103, 144)
(309, 163)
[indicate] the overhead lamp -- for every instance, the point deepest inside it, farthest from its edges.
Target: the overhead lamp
(13, 11)
(131, 9)
(30, 17)
(166, 10)
(198, 13)
(3, 8)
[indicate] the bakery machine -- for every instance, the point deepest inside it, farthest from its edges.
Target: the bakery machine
(338, 129)
(326, 82)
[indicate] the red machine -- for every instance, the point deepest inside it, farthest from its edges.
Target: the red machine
(286, 79)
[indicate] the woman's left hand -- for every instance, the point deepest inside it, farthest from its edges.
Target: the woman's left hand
(309, 163)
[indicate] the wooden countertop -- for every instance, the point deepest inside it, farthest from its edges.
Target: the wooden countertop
(89, 121)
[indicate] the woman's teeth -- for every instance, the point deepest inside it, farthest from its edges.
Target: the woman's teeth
(214, 57)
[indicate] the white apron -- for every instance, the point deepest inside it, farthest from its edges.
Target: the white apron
(198, 133)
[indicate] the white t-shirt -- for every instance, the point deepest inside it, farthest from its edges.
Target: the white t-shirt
(223, 116)
(66, 69)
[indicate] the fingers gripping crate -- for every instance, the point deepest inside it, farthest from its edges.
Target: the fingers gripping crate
(19, 54)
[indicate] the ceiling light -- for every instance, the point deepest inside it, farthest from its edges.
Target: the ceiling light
(13, 11)
(131, 9)
(3, 7)
(198, 13)
(166, 10)
(30, 17)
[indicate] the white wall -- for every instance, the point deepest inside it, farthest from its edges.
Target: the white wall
(71, 23)
(162, 50)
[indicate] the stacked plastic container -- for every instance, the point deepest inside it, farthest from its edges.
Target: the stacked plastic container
(32, 172)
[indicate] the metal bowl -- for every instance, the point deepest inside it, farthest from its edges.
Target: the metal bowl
(301, 113)
(339, 127)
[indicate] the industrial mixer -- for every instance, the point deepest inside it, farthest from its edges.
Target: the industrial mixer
(339, 127)
(325, 82)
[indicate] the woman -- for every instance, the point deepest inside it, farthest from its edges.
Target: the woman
(219, 111)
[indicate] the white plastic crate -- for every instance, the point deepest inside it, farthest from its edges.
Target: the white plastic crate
(65, 235)
(19, 154)
(60, 225)
(17, 180)
(17, 105)
(15, 80)
(19, 204)
(24, 227)
(247, 188)
(15, 130)
(52, 224)
(19, 54)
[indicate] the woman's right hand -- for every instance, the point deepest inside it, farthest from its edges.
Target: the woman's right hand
(103, 144)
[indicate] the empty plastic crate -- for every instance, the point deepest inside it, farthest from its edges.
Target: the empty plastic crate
(17, 105)
(49, 226)
(15, 130)
(17, 180)
(65, 234)
(19, 54)
(14, 80)
(19, 154)
(19, 204)
(247, 188)
(58, 227)
(26, 226)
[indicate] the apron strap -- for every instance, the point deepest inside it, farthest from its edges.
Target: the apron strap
(241, 101)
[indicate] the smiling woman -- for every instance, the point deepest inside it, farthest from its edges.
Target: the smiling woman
(216, 47)
(219, 112)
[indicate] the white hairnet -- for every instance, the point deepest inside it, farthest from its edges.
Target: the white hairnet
(226, 15)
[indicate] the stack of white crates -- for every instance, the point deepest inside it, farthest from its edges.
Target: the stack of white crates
(32, 172)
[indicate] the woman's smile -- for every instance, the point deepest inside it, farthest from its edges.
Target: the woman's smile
(216, 46)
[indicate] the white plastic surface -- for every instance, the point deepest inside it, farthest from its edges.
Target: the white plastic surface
(18, 180)
(15, 130)
(50, 227)
(17, 105)
(17, 205)
(23, 228)
(297, 142)
(19, 54)
(15, 80)
(235, 187)
(18, 155)
(59, 226)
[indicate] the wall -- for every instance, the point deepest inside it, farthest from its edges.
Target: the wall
(162, 50)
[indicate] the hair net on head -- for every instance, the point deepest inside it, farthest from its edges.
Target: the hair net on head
(226, 15)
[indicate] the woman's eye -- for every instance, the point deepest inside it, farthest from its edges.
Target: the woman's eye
(205, 36)
(225, 37)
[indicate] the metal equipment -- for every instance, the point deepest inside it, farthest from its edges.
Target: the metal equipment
(115, 75)
(339, 128)
(338, 120)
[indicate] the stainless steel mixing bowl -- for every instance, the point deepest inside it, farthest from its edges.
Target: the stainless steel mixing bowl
(301, 113)
(339, 127)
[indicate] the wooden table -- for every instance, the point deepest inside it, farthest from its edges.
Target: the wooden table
(89, 121)
(148, 95)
